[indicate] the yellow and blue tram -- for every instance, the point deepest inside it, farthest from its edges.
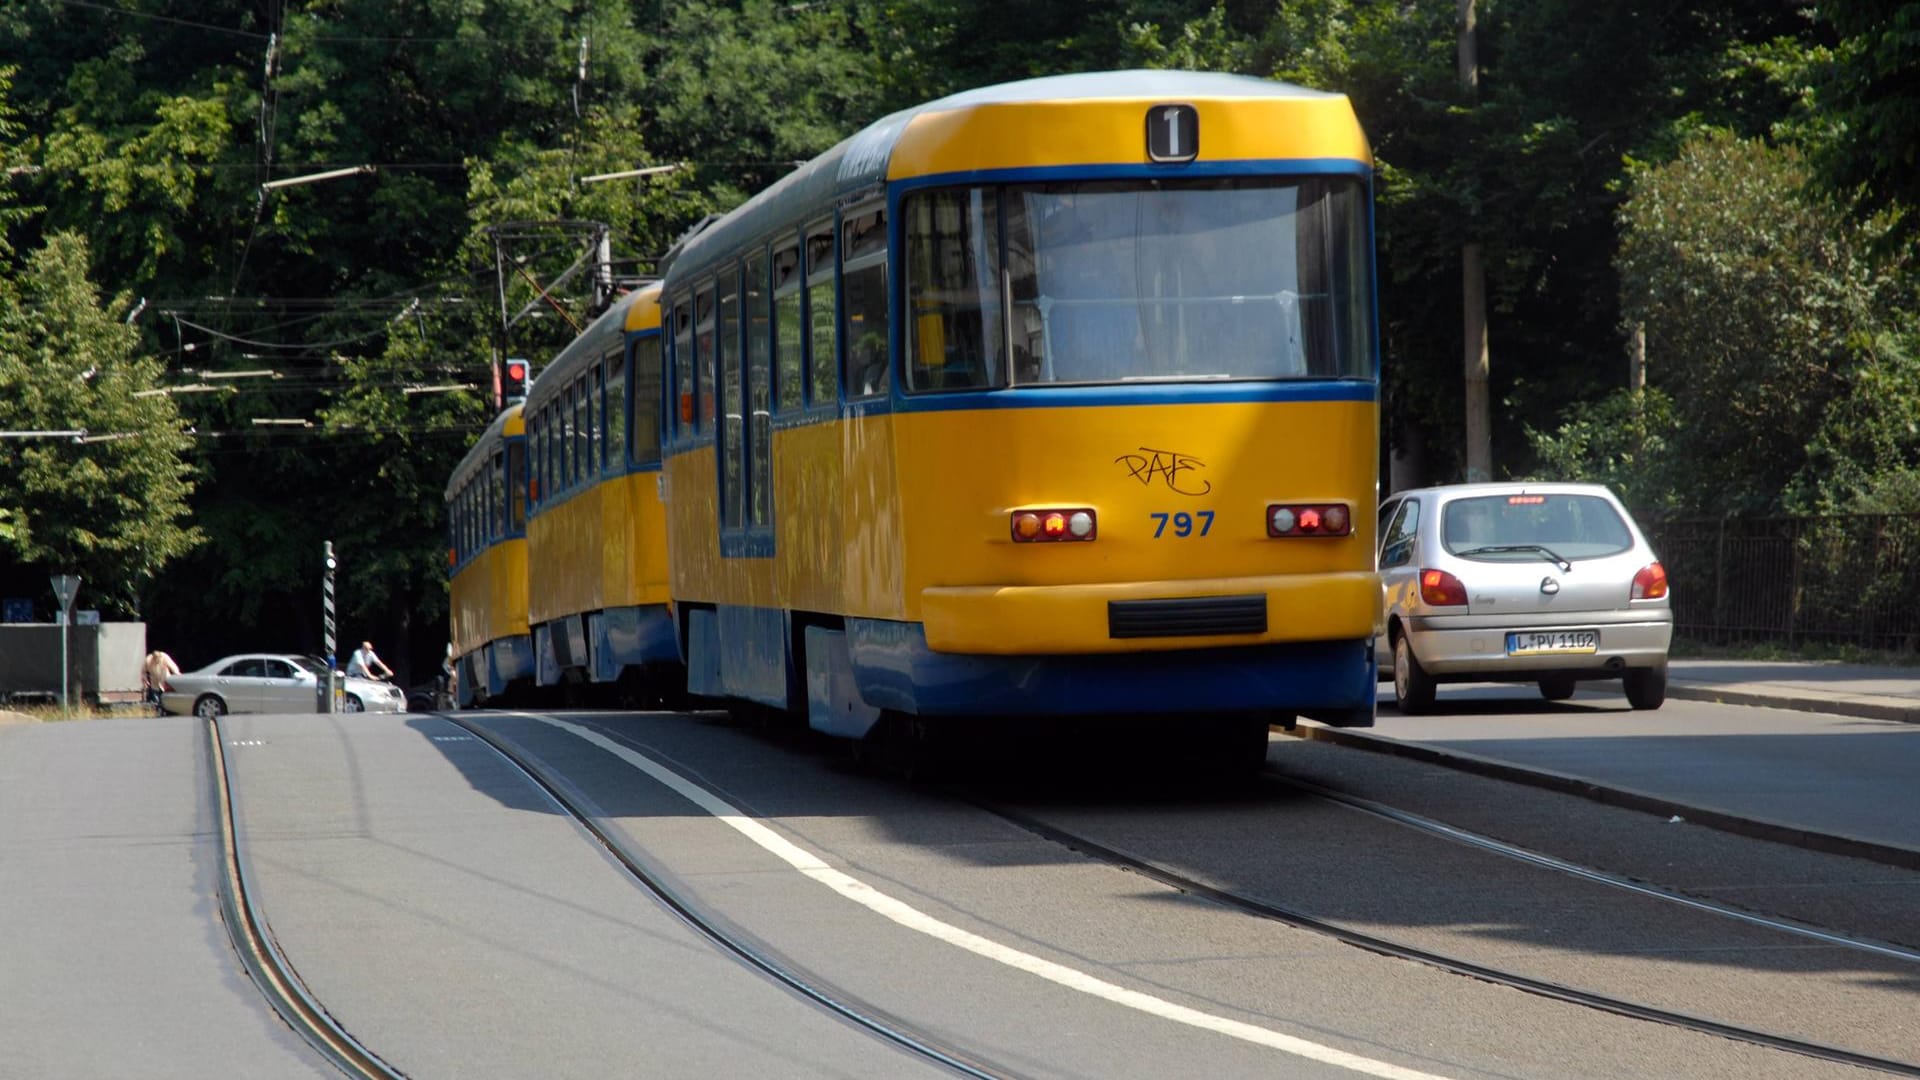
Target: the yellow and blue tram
(487, 559)
(1055, 398)
(596, 530)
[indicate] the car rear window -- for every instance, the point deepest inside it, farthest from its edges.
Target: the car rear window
(1569, 526)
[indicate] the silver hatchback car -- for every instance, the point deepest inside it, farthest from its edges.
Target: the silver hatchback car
(1545, 583)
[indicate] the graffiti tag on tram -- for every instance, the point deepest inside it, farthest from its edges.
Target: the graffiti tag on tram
(1177, 470)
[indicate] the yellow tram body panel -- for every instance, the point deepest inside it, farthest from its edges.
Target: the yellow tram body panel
(603, 547)
(487, 591)
(487, 598)
(1223, 465)
(908, 517)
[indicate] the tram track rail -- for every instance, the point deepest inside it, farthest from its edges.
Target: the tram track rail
(1305, 921)
(863, 1015)
(253, 943)
(1481, 842)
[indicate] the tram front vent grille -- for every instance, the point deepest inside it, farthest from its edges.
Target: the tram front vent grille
(1196, 616)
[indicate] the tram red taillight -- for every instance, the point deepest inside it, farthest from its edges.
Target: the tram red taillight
(1031, 526)
(1309, 519)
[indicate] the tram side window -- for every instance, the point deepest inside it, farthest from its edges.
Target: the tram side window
(955, 333)
(497, 495)
(703, 359)
(547, 468)
(618, 452)
(822, 358)
(863, 279)
(683, 361)
(532, 445)
(729, 448)
(569, 457)
(517, 487)
(597, 422)
(583, 465)
(646, 401)
(788, 359)
(757, 316)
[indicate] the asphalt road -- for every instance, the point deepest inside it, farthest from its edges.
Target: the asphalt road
(443, 910)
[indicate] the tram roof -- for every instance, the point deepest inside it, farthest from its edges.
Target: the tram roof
(860, 161)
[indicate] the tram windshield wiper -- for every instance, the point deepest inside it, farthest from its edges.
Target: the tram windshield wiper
(1494, 549)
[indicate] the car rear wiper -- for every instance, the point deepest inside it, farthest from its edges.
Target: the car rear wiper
(1489, 549)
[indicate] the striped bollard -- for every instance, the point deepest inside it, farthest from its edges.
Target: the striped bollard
(328, 701)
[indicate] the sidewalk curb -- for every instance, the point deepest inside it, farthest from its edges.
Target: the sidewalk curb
(1626, 798)
(1866, 710)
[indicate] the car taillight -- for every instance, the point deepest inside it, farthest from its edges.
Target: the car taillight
(1042, 526)
(1441, 589)
(1309, 519)
(1650, 583)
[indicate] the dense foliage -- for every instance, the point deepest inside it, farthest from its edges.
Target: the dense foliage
(1668, 168)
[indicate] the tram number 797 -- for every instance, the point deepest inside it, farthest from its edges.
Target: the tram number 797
(1182, 523)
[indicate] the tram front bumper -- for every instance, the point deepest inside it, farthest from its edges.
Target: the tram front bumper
(1151, 616)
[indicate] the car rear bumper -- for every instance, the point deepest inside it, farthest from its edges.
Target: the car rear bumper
(1481, 651)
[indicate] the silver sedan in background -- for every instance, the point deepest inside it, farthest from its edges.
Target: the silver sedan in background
(270, 683)
(1520, 582)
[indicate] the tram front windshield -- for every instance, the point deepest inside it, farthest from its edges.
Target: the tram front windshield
(1109, 282)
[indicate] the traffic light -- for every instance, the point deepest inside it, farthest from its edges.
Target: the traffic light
(514, 386)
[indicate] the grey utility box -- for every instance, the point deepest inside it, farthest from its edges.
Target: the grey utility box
(103, 662)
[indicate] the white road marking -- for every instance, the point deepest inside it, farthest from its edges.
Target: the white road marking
(914, 919)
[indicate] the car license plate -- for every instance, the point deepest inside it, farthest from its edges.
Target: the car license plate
(1539, 642)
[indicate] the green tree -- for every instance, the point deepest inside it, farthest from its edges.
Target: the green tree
(1868, 96)
(1753, 296)
(110, 503)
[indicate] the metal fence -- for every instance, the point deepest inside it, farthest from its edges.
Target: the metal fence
(1846, 579)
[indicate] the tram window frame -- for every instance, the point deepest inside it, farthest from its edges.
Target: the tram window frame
(823, 373)
(756, 388)
(619, 447)
(647, 382)
(546, 453)
(516, 487)
(597, 421)
(563, 434)
(864, 251)
(928, 249)
(704, 371)
(730, 427)
(497, 493)
(788, 315)
(533, 459)
(583, 467)
(680, 331)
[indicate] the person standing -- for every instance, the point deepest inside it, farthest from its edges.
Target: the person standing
(155, 670)
(364, 660)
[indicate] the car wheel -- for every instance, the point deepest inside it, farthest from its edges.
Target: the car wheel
(208, 707)
(1646, 687)
(1557, 688)
(1412, 686)
(352, 704)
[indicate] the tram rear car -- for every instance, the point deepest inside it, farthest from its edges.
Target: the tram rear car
(487, 559)
(1052, 398)
(596, 538)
